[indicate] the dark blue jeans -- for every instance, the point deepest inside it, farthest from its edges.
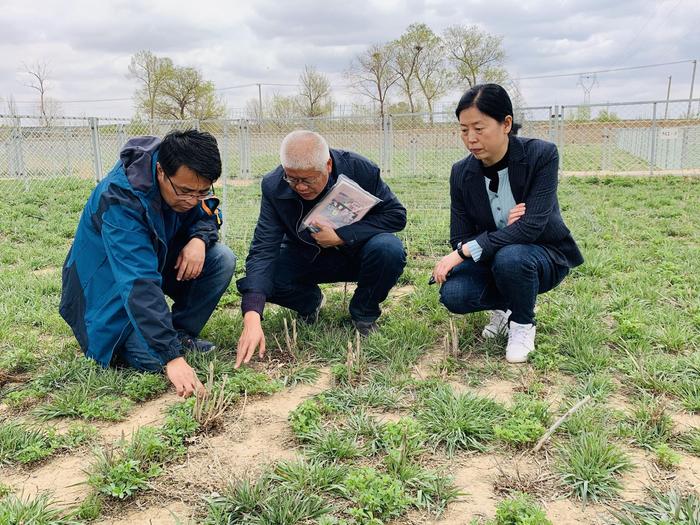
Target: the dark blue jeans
(511, 281)
(194, 302)
(376, 267)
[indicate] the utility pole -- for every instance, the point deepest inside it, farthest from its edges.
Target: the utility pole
(587, 82)
(260, 113)
(668, 96)
(692, 84)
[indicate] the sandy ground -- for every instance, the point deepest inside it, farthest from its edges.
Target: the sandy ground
(256, 434)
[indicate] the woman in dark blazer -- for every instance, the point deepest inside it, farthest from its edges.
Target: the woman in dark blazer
(509, 239)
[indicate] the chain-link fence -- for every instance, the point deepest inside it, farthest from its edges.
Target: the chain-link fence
(414, 151)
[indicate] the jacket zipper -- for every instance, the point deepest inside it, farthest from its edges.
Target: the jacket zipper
(301, 214)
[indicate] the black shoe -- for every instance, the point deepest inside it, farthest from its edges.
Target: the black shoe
(313, 316)
(365, 327)
(195, 344)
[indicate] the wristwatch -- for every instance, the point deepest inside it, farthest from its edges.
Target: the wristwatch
(459, 251)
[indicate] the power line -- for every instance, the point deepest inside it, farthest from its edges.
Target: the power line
(75, 101)
(644, 25)
(255, 84)
(280, 84)
(239, 86)
(645, 66)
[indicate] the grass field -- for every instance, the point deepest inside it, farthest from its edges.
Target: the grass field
(423, 422)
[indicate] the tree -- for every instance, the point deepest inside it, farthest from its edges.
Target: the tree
(475, 55)
(314, 93)
(605, 115)
(151, 72)
(371, 74)
(407, 49)
(283, 107)
(252, 109)
(431, 74)
(39, 79)
(186, 95)
(11, 106)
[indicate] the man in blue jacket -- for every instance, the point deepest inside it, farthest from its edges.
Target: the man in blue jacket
(285, 263)
(149, 228)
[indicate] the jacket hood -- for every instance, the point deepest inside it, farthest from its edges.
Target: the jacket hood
(139, 156)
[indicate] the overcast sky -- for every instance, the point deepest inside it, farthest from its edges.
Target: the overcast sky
(88, 44)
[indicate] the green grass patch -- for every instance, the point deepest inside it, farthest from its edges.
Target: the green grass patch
(590, 466)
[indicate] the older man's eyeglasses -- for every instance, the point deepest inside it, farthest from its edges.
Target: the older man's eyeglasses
(187, 194)
(309, 181)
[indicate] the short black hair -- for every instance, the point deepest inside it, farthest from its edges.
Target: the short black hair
(195, 149)
(490, 99)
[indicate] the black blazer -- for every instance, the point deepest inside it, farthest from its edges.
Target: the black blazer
(533, 171)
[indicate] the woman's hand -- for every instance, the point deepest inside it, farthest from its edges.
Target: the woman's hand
(446, 264)
(515, 214)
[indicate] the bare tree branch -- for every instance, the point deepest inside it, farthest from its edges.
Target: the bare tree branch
(371, 74)
(314, 93)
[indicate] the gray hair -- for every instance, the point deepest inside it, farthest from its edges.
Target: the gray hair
(304, 150)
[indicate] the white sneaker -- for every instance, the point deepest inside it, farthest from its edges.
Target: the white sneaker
(521, 341)
(497, 325)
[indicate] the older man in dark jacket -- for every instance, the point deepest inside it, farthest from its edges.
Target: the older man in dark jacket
(286, 263)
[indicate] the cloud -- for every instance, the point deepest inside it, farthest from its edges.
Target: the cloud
(88, 45)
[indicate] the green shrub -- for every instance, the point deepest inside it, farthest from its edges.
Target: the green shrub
(37, 511)
(458, 421)
(671, 508)
(307, 417)
(143, 386)
(666, 457)
(520, 509)
(377, 497)
(590, 465)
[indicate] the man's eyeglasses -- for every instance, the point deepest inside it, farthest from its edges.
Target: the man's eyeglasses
(309, 181)
(186, 194)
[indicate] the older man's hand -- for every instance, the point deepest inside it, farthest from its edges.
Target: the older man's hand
(326, 236)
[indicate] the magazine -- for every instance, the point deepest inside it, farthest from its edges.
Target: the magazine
(345, 203)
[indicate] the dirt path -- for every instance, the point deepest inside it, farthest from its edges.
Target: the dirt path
(65, 475)
(251, 439)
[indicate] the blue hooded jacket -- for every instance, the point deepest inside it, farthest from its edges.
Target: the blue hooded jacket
(113, 272)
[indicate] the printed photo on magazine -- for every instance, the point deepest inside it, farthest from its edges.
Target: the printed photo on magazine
(345, 203)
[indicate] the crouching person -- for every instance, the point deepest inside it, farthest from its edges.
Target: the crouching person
(285, 264)
(150, 229)
(509, 239)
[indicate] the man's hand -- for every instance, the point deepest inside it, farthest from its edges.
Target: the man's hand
(191, 260)
(326, 236)
(184, 378)
(251, 337)
(517, 212)
(445, 264)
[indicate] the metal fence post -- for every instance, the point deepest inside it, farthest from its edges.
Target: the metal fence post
(559, 133)
(18, 154)
(413, 155)
(224, 173)
(244, 148)
(652, 155)
(96, 150)
(387, 145)
(551, 130)
(121, 135)
(66, 137)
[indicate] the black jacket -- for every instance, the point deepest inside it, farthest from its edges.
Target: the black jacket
(281, 212)
(533, 171)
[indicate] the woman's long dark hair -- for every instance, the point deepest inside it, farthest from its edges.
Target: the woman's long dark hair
(490, 99)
